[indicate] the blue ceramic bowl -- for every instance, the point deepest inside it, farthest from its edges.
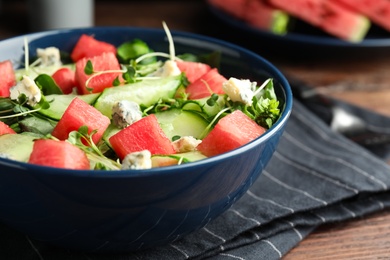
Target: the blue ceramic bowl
(108, 211)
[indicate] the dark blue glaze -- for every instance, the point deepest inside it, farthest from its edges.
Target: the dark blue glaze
(130, 210)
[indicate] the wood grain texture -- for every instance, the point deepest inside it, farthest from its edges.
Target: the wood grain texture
(362, 82)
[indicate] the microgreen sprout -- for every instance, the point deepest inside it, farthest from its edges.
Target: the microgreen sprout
(83, 140)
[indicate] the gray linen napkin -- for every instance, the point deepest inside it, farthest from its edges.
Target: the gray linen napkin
(316, 176)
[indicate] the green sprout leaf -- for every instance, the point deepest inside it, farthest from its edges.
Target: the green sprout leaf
(83, 140)
(88, 69)
(47, 85)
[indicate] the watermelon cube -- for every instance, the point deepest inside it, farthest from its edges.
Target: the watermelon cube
(7, 78)
(231, 132)
(5, 129)
(104, 62)
(257, 13)
(77, 114)
(144, 134)
(378, 11)
(88, 47)
(209, 83)
(59, 154)
(193, 70)
(262, 15)
(329, 16)
(65, 79)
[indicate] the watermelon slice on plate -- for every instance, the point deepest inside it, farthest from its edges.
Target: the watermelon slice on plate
(257, 13)
(331, 17)
(378, 11)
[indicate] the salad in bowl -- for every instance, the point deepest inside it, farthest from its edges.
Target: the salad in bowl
(127, 141)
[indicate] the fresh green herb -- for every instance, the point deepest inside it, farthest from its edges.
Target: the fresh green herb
(133, 49)
(47, 85)
(83, 140)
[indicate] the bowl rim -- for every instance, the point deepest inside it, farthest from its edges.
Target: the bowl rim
(130, 173)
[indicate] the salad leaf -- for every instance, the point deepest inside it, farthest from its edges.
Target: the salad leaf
(47, 85)
(133, 49)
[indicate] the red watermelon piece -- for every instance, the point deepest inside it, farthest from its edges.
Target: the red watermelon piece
(5, 129)
(88, 47)
(7, 78)
(104, 62)
(65, 79)
(77, 114)
(231, 132)
(262, 15)
(193, 70)
(329, 16)
(144, 134)
(378, 11)
(59, 154)
(209, 83)
(257, 13)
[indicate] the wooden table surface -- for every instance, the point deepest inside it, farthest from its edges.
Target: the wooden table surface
(360, 80)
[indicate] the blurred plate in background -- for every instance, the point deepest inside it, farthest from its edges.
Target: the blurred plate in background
(301, 41)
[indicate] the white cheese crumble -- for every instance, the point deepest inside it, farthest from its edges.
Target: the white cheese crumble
(186, 144)
(28, 87)
(137, 160)
(239, 90)
(169, 69)
(49, 56)
(125, 113)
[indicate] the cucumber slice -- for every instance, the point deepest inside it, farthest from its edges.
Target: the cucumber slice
(17, 146)
(174, 159)
(36, 125)
(33, 72)
(201, 105)
(59, 103)
(146, 92)
(176, 122)
(110, 131)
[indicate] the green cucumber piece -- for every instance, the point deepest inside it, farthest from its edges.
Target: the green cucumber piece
(174, 159)
(17, 146)
(34, 72)
(177, 122)
(37, 125)
(110, 131)
(59, 103)
(191, 156)
(146, 92)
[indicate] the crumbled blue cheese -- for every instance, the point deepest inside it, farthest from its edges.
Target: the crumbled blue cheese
(169, 69)
(239, 90)
(125, 112)
(137, 160)
(49, 56)
(28, 87)
(186, 144)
